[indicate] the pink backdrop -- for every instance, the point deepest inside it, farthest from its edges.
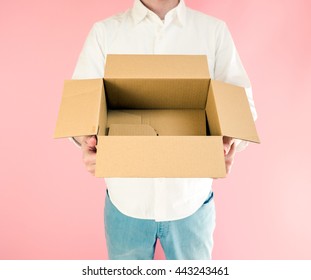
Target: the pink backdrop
(51, 208)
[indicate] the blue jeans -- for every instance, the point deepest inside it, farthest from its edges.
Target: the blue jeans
(190, 238)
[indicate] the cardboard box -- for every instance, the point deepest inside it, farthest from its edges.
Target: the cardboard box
(156, 116)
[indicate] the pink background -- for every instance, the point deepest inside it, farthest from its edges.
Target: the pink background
(51, 208)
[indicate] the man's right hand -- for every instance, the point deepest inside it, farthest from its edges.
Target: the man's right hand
(88, 146)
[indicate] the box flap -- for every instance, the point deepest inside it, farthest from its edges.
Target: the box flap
(131, 130)
(160, 157)
(156, 81)
(82, 108)
(229, 113)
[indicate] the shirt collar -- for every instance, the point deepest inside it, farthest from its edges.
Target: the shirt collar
(140, 11)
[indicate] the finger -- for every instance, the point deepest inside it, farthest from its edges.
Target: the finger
(232, 150)
(229, 159)
(90, 150)
(91, 169)
(87, 139)
(91, 141)
(227, 143)
(90, 166)
(89, 158)
(227, 140)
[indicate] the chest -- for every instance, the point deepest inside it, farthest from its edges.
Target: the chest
(160, 39)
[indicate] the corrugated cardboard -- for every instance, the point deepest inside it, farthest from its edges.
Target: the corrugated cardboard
(156, 81)
(150, 113)
(165, 122)
(131, 130)
(83, 108)
(229, 113)
(167, 156)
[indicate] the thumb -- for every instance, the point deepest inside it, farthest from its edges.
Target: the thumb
(226, 149)
(227, 142)
(91, 141)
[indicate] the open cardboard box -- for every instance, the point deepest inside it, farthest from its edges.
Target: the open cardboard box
(156, 116)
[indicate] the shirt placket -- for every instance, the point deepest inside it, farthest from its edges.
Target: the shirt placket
(160, 205)
(158, 41)
(159, 28)
(160, 188)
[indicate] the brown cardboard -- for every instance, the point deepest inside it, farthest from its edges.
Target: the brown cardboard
(150, 113)
(156, 81)
(82, 110)
(228, 112)
(167, 156)
(165, 122)
(131, 130)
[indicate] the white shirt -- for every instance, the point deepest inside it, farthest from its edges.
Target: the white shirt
(183, 31)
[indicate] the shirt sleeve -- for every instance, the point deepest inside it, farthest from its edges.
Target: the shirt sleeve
(229, 69)
(90, 64)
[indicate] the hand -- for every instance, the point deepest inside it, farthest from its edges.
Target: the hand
(88, 146)
(229, 152)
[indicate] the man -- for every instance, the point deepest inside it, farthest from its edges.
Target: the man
(179, 212)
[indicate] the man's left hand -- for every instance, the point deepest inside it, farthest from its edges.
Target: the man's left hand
(229, 151)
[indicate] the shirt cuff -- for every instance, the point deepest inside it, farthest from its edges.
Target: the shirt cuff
(240, 145)
(73, 140)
